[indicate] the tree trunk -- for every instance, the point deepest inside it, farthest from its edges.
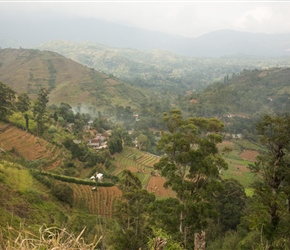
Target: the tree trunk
(199, 241)
(181, 222)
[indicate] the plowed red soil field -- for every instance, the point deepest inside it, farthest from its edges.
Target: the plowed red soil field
(249, 155)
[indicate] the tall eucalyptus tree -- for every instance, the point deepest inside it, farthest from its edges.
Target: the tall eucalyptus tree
(191, 165)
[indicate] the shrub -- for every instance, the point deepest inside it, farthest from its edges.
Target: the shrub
(42, 178)
(63, 192)
(52, 129)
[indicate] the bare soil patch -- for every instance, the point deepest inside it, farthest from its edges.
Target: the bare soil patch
(224, 144)
(112, 81)
(249, 155)
(263, 74)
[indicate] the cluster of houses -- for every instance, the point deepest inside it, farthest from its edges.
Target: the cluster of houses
(98, 142)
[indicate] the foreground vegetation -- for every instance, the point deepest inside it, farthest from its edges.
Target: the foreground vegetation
(48, 238)
(193, 163)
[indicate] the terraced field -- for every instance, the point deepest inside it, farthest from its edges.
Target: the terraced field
(142, 164)
(28, 146)
(135, 161)
(99, 201)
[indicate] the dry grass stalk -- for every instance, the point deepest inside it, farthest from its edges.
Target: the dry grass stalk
(49, 238)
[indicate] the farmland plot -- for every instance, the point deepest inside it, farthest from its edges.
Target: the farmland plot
(29, 146)
(99, 201)
(139, 162)
(155, 185)
(135, 159)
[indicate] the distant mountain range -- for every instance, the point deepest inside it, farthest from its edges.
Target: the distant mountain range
(214, 44)
(229, 43)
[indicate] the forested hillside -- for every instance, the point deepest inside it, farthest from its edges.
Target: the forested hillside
(249, 93)
(158, 69)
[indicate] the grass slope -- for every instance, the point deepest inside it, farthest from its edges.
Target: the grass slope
(23, 198)
(25, 201)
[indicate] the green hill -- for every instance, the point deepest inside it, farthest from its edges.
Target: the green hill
(27, 70)
(248, 94)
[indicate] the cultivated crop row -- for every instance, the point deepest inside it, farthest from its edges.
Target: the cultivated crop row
(148, 159)
(33, 148)
(95, 201)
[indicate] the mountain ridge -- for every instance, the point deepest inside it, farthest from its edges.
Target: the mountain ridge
(221, 43)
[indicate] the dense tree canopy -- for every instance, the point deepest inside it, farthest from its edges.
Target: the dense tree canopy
(23, 104)
(6, 101)
(39, 110)
(131, 214)
(270, 205)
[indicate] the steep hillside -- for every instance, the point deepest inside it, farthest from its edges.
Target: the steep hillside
(249, 93)
(30, 147)
(35, 201)
(25, 200)
(26, 70)
(26, 203)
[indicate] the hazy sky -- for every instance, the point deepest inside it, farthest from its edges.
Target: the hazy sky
(186, 18)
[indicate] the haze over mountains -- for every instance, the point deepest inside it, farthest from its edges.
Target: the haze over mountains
(214, 44)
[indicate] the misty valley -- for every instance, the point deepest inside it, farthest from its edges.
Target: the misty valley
(107, 147)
